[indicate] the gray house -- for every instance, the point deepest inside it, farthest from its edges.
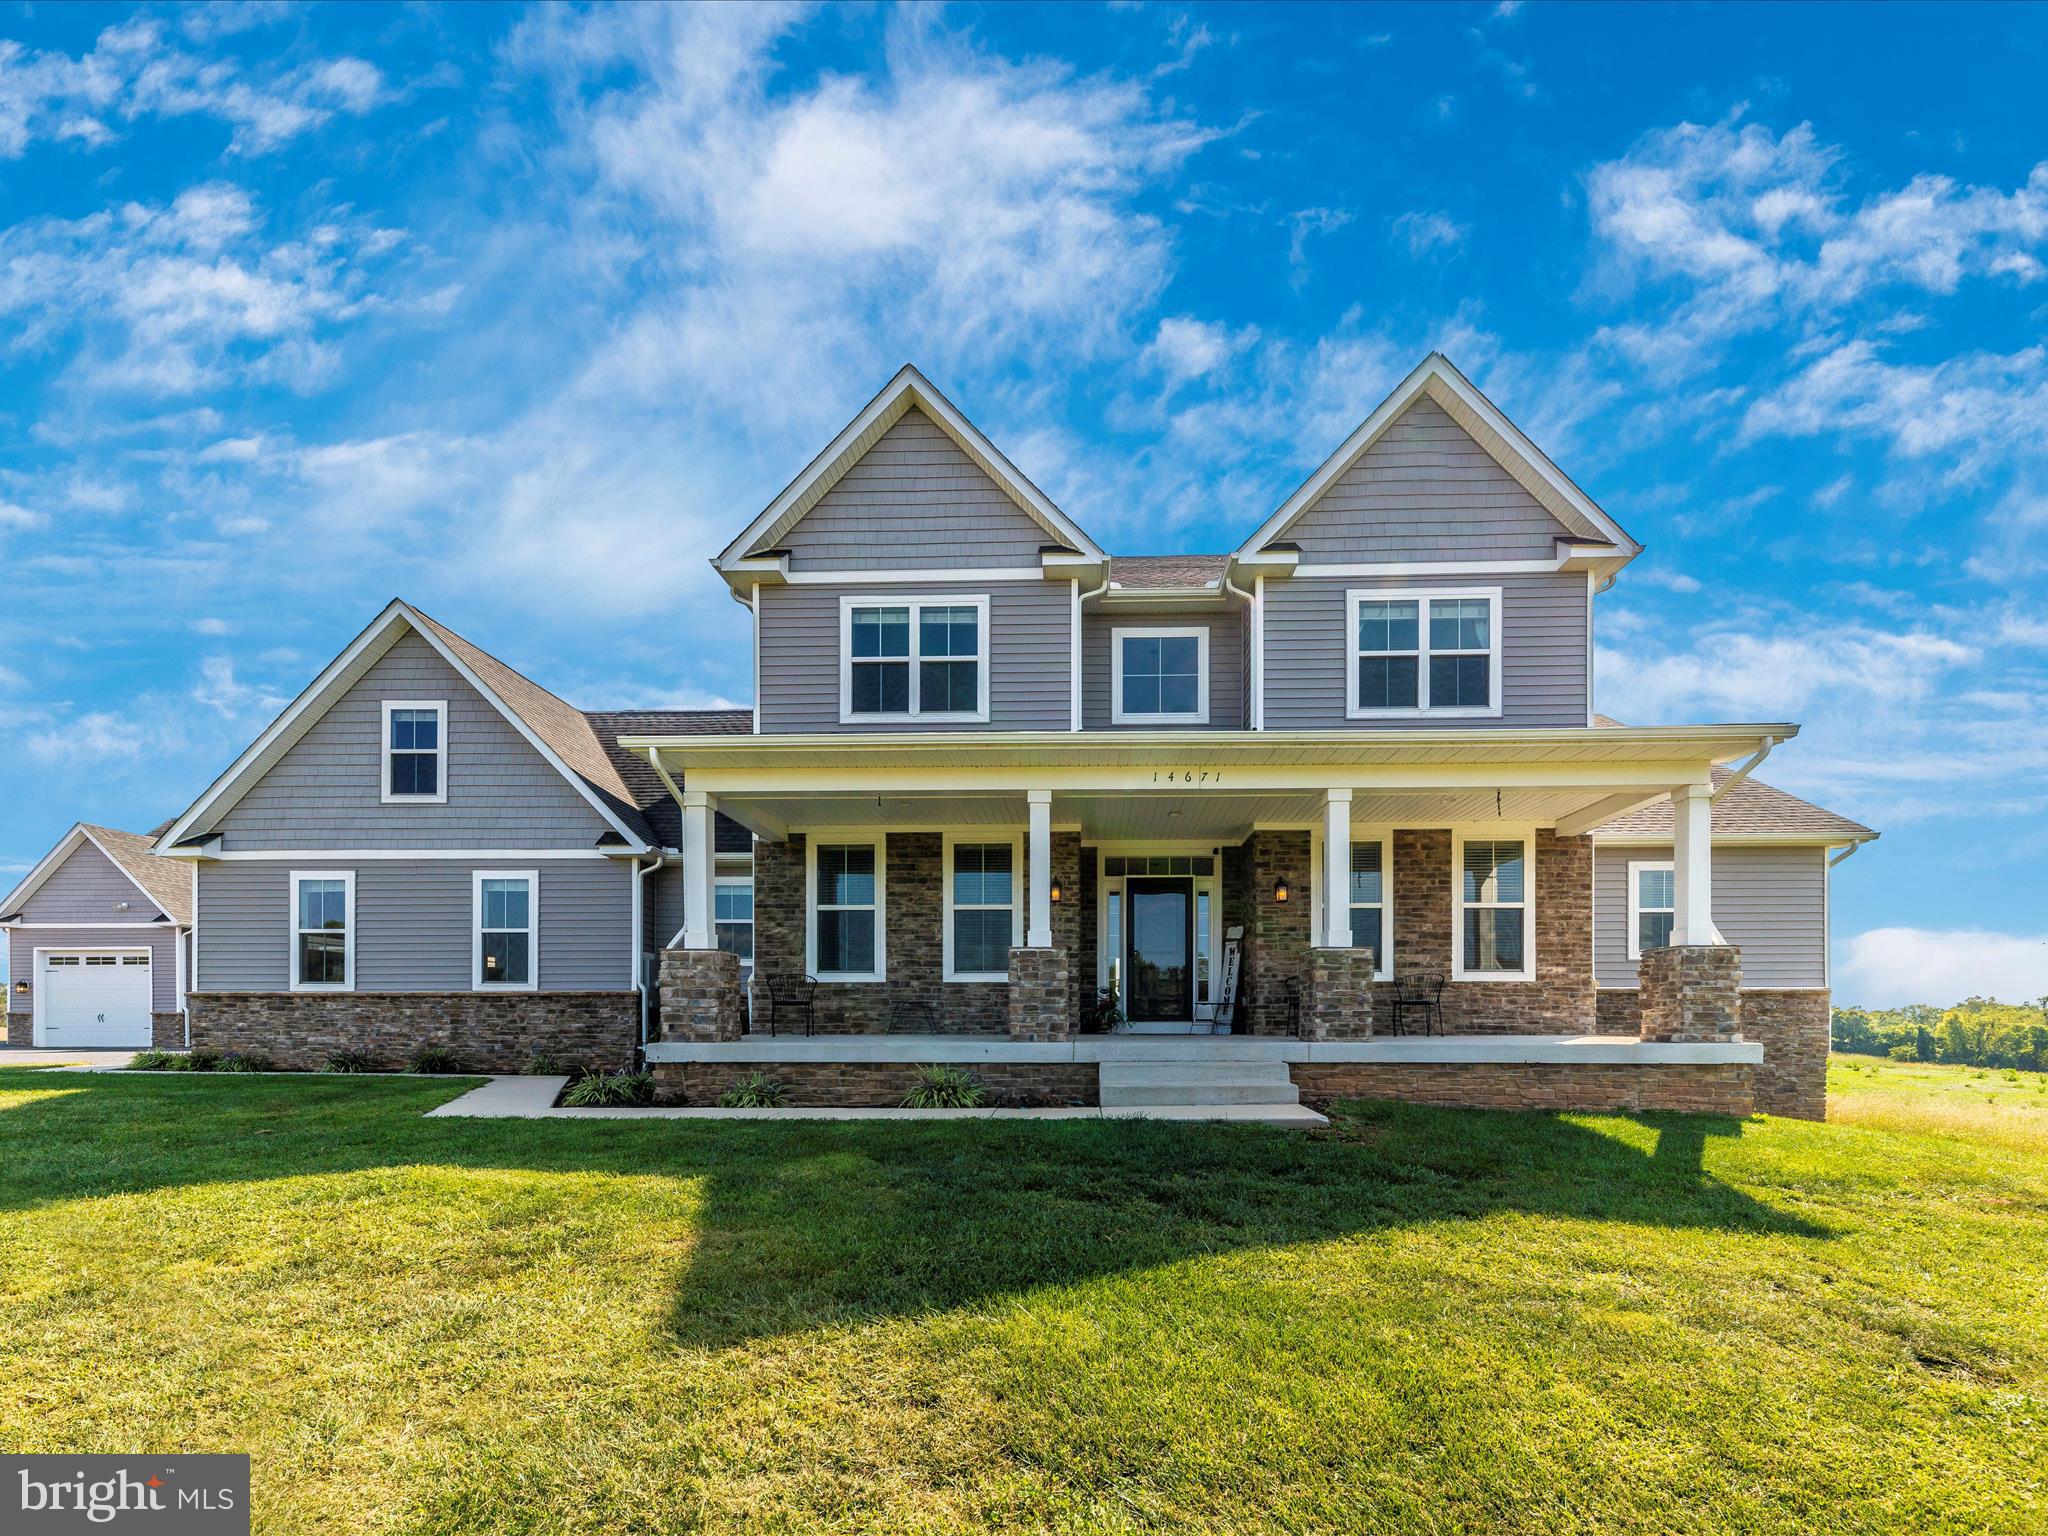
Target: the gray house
(1330, 813)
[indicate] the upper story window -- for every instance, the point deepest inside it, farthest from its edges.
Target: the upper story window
(323, 931)
(1423, 653)
(915, 659)
(415, 751)
(1159, 676)
(1652, 906)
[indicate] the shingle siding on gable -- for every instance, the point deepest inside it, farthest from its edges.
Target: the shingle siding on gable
(324, 793)
(84, 890)
(1770, 902)
(1029, 676)
(1425, 491)
(1226, 665)
(1543, 650)
(913, 501)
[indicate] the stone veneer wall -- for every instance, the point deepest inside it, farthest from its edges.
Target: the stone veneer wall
(914, 917)
(488, 1032)
(873, 1084)
(1691, 993)
(1619, 1012)
(1277, 933)
(1041, 994)
(1583, 1087)
(1337, 994)
(166, 1031)
(1792, 1027)
(699, 991)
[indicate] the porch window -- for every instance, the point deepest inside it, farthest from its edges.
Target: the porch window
(505, 936)
(733, 916)
(1652, 906)
(1495, 916)
(1369, 900)
(981, 910)
(923, 659)
(846, 918)
(323, 931)
(1424, 653)
(1159, 676)
(415, 744)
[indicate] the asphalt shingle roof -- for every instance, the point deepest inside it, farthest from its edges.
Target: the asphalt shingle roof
(1156, 571)
(649, 793)
(1751, 809)
(168, 881)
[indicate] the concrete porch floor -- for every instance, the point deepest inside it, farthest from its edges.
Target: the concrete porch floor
(1529, 1050)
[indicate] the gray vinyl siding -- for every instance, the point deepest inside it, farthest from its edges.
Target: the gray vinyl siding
(413, 924)
(160, 939)
(1425, 491)
(664, 905)
(85, 889)
(1031, 628)
(1543, 650)
(326, 791)
(1769, 902)
(914, 501)
(1226, 664)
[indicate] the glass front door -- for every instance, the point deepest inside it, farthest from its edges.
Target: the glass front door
(1161, 948)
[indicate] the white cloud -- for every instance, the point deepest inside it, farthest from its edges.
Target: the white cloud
(12, 516)
(1662, 576)
(219, 689)
(1427, 231)
(91, 736)
(211, 627)
(1185, 348)
(1890, 967)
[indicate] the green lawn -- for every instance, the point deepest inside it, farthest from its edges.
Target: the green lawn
(1423, 1321)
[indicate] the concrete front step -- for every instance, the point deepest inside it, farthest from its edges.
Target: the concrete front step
(1133, 1072)
(1126, 1084)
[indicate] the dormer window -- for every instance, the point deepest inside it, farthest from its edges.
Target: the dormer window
(1423, 654)
(1159, 676)
(914, 659)
(415, 751)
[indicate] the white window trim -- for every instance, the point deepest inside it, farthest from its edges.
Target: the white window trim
(864, 837)
(347, 877)
(1015, 844)
(746, 880)
(1527, 838)
(849, 602)
(1635, 900)
(1199, 633)
(440, 795)
(1384, 836)
(476, 931)
(1422, 597)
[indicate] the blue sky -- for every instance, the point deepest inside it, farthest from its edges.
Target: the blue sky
(519, 314)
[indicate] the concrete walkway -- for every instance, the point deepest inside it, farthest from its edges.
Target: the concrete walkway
(52, 1056)
(533, 1098)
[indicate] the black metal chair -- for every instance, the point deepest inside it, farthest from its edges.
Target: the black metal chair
(1423, 994)
(1293, 1007)
(913, 1016)
(790, 997)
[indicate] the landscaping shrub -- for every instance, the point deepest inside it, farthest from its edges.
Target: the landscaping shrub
(157, 1061)
(945, 1088)
(348, 1061)
(433, 1058)
(757, 1090)
(242, 1061)
(610, 1090)
(541, 1064)
(202, 1059)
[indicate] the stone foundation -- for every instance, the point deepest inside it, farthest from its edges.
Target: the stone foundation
(700, 995)
(1041, 994)
(1585, 1088)
(1336, 994)
(166, 1031)
(1792, 1027)
(1619, 1013)
(488, 1032)
(873, 1084)
(1691, 993)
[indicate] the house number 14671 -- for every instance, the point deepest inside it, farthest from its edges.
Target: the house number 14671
(1188, 776)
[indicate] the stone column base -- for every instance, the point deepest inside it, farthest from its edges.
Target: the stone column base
(1038, 994)
(700, 995)
(1336, 994)
(1691, 993)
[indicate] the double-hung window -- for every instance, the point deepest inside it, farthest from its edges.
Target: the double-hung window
(323, 931)
(1369, 926)
(415, 756)
(1423, 653)
(983, 918)
(507, 938)
(733, 916)
(1159, 676)
(846, 938)
(913, 659)
(1652, 906)
(1494, 900)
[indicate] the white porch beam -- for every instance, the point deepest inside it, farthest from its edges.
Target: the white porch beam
(700, 929)
(1337, 868)
(1038, 858)
(1692, 863)
(1600, 812)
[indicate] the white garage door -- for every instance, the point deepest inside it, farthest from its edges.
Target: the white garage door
(94, 997)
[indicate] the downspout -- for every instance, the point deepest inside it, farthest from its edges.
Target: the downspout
(1838, 858)
(1255, 618)
(1081, 597)
(640, 928)
(1745, 770)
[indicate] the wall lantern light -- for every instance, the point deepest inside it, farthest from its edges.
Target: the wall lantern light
(1055, 893)
(21, 986)
(1280, 889)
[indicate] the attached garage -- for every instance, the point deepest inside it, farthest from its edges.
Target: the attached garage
(93, 998)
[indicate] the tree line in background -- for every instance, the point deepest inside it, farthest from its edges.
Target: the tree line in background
(1977, 1032)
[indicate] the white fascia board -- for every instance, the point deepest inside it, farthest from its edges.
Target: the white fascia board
(1480, 417)
(1737, 840)
(908, 388)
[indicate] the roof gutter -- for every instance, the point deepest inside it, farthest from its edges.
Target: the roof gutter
(1745, 770)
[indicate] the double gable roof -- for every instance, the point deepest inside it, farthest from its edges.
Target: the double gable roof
(168, 885)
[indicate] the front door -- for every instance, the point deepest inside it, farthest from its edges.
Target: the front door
(1161, 947)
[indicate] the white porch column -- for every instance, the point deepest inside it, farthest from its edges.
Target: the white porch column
(1038, 856)
(1337, 868)
(1692, 863)
(700, 930)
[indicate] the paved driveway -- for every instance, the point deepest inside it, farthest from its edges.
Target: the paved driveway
(32, 1056)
